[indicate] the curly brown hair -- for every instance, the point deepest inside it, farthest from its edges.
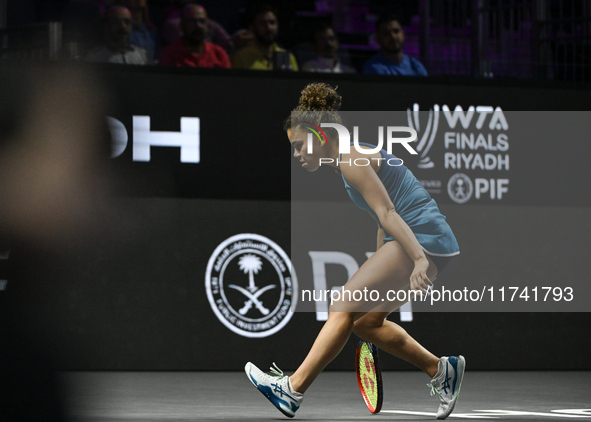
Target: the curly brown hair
(318, 103)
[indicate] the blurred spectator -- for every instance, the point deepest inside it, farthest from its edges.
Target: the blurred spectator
(192, 50)
(143, 33)
(117, 47)
(172, 31)
(264, 53)
(390, 60)
(326, 45)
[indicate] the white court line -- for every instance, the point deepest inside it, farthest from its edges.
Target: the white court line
(526, 413)
(453, 415)
(493, 414)
(574, 411)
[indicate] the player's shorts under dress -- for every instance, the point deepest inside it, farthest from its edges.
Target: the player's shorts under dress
(415, 206)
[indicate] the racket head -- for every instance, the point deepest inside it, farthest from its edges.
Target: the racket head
(369, 376)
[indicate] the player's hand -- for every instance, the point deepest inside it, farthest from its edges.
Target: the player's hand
(418, 279)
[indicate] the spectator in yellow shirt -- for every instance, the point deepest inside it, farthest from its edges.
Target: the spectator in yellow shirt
(264, 53)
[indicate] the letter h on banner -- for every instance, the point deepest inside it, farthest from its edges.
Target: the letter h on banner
(187, 139)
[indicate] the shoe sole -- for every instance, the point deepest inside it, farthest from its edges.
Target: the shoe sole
(267, 394)
(460, 375)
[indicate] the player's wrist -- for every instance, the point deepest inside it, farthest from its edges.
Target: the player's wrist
(420, 259)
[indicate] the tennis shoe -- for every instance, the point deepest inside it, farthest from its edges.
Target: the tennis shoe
(447, 382)
(276, 387)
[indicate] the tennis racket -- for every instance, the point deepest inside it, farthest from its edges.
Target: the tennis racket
(369, 375)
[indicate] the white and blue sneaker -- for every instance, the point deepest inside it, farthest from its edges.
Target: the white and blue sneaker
(277, 388)
(447, 382)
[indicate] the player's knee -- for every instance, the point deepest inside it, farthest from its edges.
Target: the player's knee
(360, 331)
(343, 306)
(344, 318)
(364, 327)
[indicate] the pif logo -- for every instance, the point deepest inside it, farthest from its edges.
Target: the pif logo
(251, 285)
(460, 188)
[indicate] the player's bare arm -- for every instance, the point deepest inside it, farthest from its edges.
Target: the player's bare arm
(367, 182)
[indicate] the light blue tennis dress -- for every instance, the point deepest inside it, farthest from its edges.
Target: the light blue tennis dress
(414, 204)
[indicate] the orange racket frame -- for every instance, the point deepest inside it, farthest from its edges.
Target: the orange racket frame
(376, 371)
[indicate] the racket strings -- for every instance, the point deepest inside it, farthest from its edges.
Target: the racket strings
(367, 372)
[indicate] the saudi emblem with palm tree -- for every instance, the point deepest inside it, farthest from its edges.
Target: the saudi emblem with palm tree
(251, 264)
(251, 285)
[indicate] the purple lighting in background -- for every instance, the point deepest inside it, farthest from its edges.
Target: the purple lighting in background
(548, 39)
(525, 39)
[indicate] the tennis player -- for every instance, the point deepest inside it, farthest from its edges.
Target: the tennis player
(414, 245)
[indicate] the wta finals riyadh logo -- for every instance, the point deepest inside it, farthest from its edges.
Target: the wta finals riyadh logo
(429, 133)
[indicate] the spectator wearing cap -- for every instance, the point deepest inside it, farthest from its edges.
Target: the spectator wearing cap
(263, 53)
(391, 60)
(326, 46)
(192, 50)
(117, 47)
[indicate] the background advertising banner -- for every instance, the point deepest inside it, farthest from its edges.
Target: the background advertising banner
(463, 159)
(213, 230)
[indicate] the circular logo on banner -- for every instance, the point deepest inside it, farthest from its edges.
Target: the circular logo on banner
(251, 285)
(460, 188)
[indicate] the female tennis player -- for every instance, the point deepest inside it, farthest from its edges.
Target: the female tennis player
(415, 244)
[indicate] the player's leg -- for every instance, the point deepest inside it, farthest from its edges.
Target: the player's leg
(446, 373)
(394, 339)
(389, 268)
(391, 337)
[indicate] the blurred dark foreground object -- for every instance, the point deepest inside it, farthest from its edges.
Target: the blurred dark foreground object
(29, 387)
(52, 190)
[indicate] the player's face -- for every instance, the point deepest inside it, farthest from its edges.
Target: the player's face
(390, 36)
(266, 28)
(298, 138)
